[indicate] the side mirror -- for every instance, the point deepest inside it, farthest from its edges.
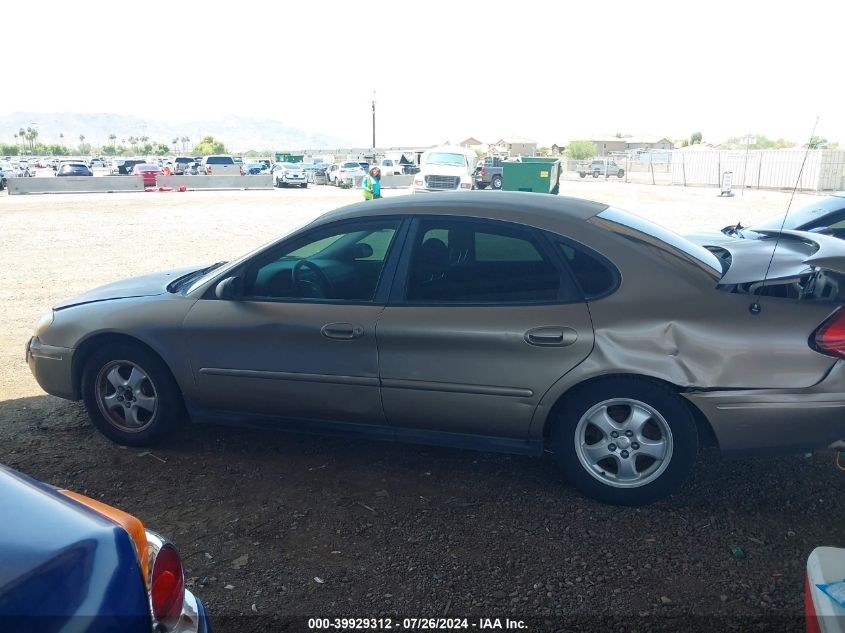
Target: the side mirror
(229, 289)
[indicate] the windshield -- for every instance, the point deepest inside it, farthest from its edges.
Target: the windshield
(351, 166)
(664, 237)
(445, 158)
(804, 218)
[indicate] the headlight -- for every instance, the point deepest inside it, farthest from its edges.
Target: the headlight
(43, 323)
(466, 185)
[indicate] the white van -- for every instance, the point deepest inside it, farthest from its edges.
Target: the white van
(446, 168)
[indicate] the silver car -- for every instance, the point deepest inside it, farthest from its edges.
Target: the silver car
(498, 321)
(289, 175)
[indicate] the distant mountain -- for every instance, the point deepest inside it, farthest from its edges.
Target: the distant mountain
(238, 133)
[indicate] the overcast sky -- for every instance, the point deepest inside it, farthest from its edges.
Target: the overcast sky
(442, 70)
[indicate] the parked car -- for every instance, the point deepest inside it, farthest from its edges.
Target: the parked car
(488, 172)
(601, 167)
(179, 164)
(74, 563)
(288, 175)
(98, 162)
(221, 165)
(341, 174)
(255, 169)
(512, 322)
(74, 169)
(823, 215)
(192, 169)
(7, 171)
(148, 172)
(125, 168)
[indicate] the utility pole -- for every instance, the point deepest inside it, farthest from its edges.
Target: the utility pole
(374, 120)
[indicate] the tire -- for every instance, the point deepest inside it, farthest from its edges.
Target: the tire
(582, 174)
(157, 385)
(620, 173)
(305, 186)
(496, 182)
(481, 185)
(666, 427)
(595, 174)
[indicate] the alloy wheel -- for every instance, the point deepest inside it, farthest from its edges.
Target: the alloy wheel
(623, 443)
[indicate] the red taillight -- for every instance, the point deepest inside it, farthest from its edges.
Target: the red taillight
(167, 585)
(209, 169)
(830, 337)
(483, 171)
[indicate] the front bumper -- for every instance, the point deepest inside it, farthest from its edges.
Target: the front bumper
(52, 367)
(752, 421)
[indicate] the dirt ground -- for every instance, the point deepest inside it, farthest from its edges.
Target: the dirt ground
(276, 528)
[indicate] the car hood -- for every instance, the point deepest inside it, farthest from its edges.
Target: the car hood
(144, 286)
(444, 170)
(711, 238)
(797, 253)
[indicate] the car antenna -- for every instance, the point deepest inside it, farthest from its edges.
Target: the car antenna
(755, 308)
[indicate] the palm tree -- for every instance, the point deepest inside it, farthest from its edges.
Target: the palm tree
(173, 142)
(61, 139)
(81, 141)
(185, 141)
(16, 138)
(31, 135)
(112, 138)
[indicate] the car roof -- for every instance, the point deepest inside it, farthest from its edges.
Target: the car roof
(511, 206)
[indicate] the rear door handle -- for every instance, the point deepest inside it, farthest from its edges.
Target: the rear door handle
(342, 331)
(551, 336)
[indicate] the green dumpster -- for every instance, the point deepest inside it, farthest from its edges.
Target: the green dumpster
(535, 173)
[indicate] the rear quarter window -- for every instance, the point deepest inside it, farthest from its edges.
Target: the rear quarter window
(595, 276)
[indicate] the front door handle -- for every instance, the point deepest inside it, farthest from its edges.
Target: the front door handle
(342, 331)
(551, 336)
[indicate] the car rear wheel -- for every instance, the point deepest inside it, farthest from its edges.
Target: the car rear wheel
(620, 173)
(625, 441)
(583, 174)
(130, 395)
(595, 174)
(496, 182)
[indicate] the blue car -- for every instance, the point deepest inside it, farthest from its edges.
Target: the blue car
(70, 563)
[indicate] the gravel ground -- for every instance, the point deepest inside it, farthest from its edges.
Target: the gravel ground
(277, 528)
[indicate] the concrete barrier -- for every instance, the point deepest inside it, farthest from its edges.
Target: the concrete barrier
(75, 184)
(216, 182)
(396, 182)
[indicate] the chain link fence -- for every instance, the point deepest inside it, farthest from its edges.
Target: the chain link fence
(759, 169)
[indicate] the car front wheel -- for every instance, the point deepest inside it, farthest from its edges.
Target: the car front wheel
(625, 441)
(130, 395)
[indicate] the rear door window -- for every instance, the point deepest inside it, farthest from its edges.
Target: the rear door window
(482, 262)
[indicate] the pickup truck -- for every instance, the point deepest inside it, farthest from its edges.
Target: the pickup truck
(601, 167)
(220, 165)
(488, 173)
